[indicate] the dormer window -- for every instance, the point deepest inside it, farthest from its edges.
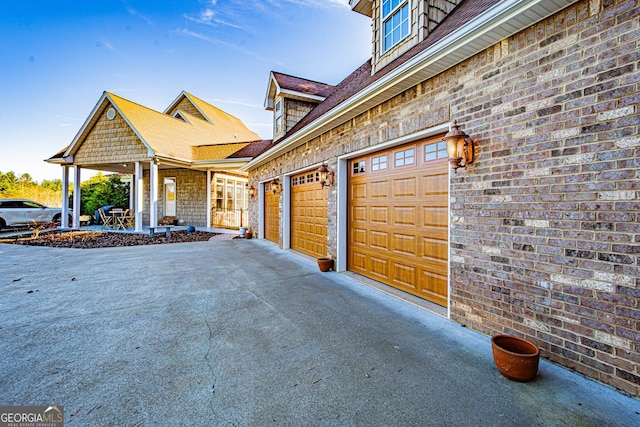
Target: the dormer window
(395, 22)
(278, 117)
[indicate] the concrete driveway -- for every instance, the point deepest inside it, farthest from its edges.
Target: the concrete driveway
(241, 333)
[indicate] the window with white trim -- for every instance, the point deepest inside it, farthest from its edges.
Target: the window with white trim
(278, 117)
(395, 22)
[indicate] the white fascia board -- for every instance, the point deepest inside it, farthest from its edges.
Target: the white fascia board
(482, 32)
(175, 102)
(297, 94)
(267, 97)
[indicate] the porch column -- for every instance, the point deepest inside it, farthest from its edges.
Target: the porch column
(138, 203)
(132, 192)
(76, 196)
(208, 199)
(153, 194)
(64, 221)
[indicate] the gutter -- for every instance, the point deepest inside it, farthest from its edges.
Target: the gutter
(501, 21)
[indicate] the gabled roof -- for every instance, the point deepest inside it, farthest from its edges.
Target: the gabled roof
(166, 136)
(226, 127)
(296, 88)
(473, 26)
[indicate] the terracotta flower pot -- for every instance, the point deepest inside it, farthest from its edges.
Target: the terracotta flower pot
(325, 264)
(516, 358)
(248, 234)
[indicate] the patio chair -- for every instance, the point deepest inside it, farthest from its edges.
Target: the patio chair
(128, 219)
(107, 221)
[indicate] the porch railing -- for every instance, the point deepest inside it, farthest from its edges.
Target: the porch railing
(229, 218)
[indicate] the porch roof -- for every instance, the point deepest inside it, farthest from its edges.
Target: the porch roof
(183, 140)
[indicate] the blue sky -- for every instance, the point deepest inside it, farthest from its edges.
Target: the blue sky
(57, 57)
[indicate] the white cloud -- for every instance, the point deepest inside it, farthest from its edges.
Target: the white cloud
(134, 12)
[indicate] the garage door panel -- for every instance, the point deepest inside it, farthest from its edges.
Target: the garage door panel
(405, 276)
(379, 214)
(379, 240)
(404, 215)
(433, 286)
(405, 187)
(435, 216)
(398, 224)
(358, 191)
(380, 189)
(358, 213)
(380, 267)
(435, 249)
(359, 236)
(405, 244)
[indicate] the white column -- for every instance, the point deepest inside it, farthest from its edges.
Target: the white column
(208, 224)
(153, 194)
(132, 195)
(261, 227)
(342, 184)
(64, 221)
(286, 211)
(138, 205)
(76, 196)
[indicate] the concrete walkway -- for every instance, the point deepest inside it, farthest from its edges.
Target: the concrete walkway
(239, 333)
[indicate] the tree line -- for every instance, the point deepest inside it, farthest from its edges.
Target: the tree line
(99, 190)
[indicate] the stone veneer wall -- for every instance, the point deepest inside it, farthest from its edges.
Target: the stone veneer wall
(545, 228)
(191, 193)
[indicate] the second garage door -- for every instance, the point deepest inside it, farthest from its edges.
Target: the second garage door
(271, 212)
(309, 214)
(398, 218)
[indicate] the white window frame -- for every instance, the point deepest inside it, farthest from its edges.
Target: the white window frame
(277, 126)
(384, 18)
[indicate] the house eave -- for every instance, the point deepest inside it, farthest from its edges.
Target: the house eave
(501, 21)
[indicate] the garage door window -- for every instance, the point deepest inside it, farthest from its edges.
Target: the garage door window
(405, 157)
(359, 167)
(437, 150)
(379, 163)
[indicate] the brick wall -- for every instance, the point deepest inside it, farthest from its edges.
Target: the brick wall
(545, 233)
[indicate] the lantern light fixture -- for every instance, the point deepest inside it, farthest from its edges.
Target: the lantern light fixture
(252, 192)
(459, 147)
(275, 185)
(326, 175)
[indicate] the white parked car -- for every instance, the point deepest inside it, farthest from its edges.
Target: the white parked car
(23, 212)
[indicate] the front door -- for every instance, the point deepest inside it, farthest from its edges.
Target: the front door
(170, 197)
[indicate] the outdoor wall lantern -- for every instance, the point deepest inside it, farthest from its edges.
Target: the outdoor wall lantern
(275, 185)
(459, 147)
(252, 192)
(326, 175)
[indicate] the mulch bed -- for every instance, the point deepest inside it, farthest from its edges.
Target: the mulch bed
(96, 239)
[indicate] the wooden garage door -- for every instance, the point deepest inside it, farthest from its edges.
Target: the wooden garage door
(398, 232)
(271, 213)
(309, 214)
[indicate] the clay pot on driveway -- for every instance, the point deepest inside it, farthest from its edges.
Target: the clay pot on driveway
(325, 264)
(516, 358)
